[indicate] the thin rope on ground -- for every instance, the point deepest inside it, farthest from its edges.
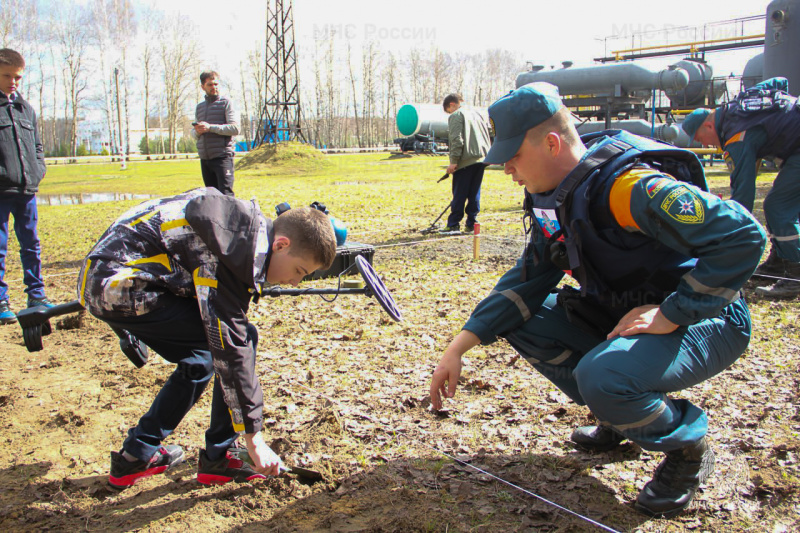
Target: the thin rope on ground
(540, 498)
(391, 431)
(421, 242)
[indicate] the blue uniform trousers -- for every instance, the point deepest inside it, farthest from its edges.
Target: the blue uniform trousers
(176, 332)
(466, 190)
(781, 209)
(624, 381)
(26, 216)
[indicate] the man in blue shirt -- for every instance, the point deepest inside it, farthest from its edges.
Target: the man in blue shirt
(661, 264)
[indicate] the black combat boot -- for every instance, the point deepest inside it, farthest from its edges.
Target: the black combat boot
(774, 265)
(784, 288)
(597, 438)
(676, 480)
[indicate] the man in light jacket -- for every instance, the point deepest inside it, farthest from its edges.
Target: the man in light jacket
(468, 138)
(215, 126)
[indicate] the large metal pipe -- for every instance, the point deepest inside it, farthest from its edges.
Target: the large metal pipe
(753, 71)
(782, 42)
(700, 84)
(608, 80)
(426, 119)
(683, 141)
(663, 132)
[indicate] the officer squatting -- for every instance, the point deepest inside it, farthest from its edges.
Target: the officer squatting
(661, 264)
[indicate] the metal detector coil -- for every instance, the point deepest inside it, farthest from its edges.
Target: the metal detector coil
(374, 287)
(378, 289)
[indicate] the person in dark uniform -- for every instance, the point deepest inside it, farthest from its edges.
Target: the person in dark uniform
(763, 123)
(660, 263)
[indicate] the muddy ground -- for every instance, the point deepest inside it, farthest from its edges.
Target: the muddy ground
(346, 394)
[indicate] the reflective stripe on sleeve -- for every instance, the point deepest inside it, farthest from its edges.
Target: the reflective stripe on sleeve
(517, 299)
(728, 294)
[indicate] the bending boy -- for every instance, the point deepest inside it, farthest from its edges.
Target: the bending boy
(179, 274)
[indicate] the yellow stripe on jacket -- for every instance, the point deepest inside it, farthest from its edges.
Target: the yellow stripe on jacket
(736, 138)
(620, 197)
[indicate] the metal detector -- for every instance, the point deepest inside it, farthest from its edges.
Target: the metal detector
(374, 287)
(432, 228)
(35, 321)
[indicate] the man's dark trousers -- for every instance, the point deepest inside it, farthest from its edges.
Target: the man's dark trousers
(176, 333)
(466, 190)
(218, 173)
(26, 216)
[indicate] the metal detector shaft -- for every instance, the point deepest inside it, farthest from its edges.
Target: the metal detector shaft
(278, 291)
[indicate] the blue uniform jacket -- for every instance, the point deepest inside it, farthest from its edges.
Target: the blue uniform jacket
(723, 236)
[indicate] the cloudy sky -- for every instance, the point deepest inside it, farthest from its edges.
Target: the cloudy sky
(542, 32)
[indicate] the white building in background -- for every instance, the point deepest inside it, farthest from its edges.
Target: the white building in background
(94, 135)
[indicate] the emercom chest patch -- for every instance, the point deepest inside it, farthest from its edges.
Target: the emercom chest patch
(684, 206)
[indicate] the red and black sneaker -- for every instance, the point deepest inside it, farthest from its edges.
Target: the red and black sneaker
(227, 468)
(125, 473)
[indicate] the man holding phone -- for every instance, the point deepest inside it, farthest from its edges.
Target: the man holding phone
(215, 126)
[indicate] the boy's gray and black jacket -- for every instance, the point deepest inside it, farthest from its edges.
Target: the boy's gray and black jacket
(218, 141)
(200, 244)
(21, 153)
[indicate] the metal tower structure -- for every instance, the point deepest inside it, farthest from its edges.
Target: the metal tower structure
(279, 120)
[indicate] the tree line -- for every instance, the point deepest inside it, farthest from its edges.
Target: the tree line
(137, 67)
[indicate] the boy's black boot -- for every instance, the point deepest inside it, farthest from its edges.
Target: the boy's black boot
(597, 438)
(676, 480)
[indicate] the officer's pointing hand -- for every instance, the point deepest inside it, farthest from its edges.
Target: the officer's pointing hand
(644, 319)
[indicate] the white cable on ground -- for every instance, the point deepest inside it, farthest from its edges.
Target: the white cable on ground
(462, 463)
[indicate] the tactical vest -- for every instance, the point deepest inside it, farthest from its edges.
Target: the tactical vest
(617, 269)
(781, 121)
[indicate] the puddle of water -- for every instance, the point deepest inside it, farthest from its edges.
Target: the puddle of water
(88, 198)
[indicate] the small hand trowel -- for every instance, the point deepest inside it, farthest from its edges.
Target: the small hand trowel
(302, 473)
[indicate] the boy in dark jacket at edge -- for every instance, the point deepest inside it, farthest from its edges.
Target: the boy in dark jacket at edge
(179, 274)
(22, 168)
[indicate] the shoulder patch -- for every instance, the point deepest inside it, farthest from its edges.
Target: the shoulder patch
(729, 161)
(684, 206)
(655, 185)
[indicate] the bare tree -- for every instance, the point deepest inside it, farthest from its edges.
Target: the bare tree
(355, 102)
(390, 104)
(440, 71)
(179, 59)
(72, 33)
(370, 58)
